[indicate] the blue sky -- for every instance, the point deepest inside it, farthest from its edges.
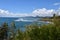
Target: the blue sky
(28, 6)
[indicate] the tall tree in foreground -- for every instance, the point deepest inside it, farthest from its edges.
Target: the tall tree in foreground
(4, 32)
(12, 31)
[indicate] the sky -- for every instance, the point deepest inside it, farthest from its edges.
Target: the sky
(19, 8)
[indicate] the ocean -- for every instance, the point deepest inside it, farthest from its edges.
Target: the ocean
(21, 22)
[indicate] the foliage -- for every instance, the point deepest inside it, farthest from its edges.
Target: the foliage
(33, 32)
(4, 31)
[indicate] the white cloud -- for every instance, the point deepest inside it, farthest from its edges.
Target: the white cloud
(6, 13)
(38, 12)
(56, 4)
(44, 12)
(58, 11)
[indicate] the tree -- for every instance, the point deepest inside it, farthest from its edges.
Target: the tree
(12, 31)
(4, 32)
(54, 15)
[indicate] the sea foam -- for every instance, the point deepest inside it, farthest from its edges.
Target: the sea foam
(25, 20)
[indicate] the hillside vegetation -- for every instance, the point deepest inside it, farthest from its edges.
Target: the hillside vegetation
(32, 32)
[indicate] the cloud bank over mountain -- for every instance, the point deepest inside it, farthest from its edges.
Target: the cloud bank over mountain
(44, 12)
(38, 12)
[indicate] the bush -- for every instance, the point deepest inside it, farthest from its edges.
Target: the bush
(33, 32)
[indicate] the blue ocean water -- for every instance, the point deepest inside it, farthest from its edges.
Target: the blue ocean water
(19, 22)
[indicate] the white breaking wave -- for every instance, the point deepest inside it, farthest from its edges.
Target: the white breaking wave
(19, 20)
(25, 20)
